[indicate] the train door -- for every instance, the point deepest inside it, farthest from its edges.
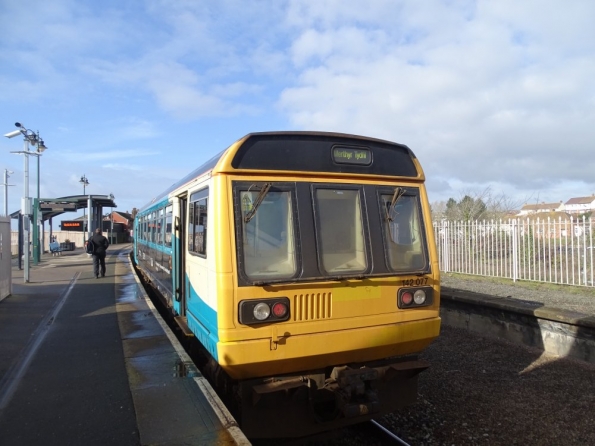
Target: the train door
(180, 258)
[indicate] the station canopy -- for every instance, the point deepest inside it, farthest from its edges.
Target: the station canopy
(52, 207)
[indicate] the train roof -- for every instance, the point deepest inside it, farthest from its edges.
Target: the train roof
(299, 151)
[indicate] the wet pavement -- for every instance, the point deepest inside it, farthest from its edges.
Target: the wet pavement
(89, 361)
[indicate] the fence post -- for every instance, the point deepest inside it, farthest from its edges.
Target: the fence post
(515, 253)
(445, 240)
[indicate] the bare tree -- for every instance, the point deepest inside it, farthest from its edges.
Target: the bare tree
(484, 205)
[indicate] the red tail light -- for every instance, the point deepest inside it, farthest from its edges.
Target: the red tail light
(407, 298)
(280, 309)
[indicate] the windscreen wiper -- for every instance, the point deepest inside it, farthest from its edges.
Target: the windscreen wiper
(399, 191)
(250, 215)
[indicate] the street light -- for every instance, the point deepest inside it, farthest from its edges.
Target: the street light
(41, 230)
(85, 182)
(38, 227)
(33, 138)
(111, 215)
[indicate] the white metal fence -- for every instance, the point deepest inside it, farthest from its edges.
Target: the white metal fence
(543, 250)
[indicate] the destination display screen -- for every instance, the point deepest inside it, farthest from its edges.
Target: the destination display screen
(325, 152)
(351, 155)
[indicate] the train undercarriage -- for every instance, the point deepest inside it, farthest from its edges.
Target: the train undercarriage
(300, 405)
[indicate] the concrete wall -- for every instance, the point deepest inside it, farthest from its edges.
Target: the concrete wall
(556, 331)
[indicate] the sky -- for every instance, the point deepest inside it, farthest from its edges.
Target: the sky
(135, 94)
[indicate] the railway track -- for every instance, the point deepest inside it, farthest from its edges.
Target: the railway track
(392, 437)
(370, 433)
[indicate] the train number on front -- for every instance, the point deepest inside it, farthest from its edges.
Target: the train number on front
(420, 281)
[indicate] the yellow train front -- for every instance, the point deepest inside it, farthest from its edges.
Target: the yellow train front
(305, 264)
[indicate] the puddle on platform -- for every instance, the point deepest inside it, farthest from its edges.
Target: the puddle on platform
(129, 291)
(185, 370)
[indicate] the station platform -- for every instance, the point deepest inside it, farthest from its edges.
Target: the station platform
(86, 361)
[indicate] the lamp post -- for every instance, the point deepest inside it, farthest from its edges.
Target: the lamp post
(30, 137)
(85, 182)
(111, 215)
(7, 174)
(38, 232)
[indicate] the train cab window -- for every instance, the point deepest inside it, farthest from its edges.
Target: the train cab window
(197, 222)
(403, 233)
(268, 241)
(340, 230)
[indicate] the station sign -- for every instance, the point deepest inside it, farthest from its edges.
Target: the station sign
(57, 207)
(72, 225)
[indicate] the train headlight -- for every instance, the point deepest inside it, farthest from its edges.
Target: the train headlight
(258, 311)
(261, 311)
(419, 297)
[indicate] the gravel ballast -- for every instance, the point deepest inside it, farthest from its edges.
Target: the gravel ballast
(488, 391)
(485, 391)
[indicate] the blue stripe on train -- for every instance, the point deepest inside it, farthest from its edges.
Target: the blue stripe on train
(202, 320)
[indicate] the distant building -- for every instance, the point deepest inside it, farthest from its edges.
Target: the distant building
(580, 205)
(529, 209)
(121, 217)
(119, 225)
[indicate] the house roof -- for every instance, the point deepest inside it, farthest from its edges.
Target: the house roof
(551, 215)
(581, 200)
(536, 207)
(125, 215)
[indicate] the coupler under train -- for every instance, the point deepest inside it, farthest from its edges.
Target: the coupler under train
(296, 406)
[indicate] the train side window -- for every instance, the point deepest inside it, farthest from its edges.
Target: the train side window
(152, 225)
(168, 227)
(159, 227)
(200, 226)
(146, 228)
(268, 241)
(403, 233)
(340, 230)
(197, 222)
(190, 234)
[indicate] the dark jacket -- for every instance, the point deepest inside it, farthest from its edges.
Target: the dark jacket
(100, 244)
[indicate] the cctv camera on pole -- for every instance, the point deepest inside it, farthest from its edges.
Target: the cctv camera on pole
(13, 134)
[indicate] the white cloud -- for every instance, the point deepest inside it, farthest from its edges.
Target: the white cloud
(482, 94)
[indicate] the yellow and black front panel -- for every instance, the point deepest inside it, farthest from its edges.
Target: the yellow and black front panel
(328, 273)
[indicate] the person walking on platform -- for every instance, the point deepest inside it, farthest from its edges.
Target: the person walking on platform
(97, 245)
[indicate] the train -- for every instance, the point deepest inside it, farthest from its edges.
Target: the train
(304, 265)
